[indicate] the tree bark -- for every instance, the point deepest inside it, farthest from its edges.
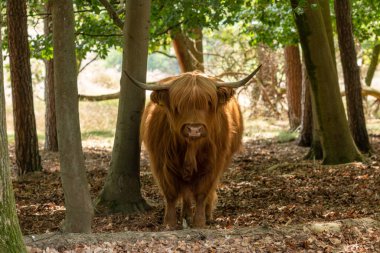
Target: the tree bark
(78, 203)
(293, 72)
(326, 15)
(11, 239)
(373, 64)
(337, 143)
(51, 139)
(306, 133)
(351, 73)
(121, 191)
(197, 49)
(26, 142)
(184, 59)
(189, 53)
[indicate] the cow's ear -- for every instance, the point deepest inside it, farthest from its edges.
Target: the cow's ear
(225, 94)
(160, 97)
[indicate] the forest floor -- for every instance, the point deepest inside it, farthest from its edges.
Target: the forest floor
(270, 200)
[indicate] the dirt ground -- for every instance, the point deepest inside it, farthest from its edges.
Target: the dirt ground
(268, 201)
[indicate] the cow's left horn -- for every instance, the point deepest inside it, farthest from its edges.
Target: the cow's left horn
(240, 83)
(146, 86)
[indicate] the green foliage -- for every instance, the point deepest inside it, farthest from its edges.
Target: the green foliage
(366, 21)
(270, 23)
(188, 14)
(95, 31)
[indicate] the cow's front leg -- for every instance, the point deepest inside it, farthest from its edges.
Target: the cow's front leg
(200, 211)
(210, 205)
(170, 219)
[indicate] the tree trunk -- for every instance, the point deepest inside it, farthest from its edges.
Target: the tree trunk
(189, 53)
(373, 64)
(26, 142)
(121, 192)
(337, 143)
(51, 139)
(293, 72)
(196, 49)
(326, 15)
(306, 134)
(79, 210)
(11, 239)
(351, 74)
(185, 62)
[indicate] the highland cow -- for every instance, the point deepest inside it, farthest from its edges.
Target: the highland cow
(191, 128)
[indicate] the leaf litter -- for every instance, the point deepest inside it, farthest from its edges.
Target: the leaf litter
(268, 186)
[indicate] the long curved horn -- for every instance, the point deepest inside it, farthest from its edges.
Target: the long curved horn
(240, 83)
(147, 86)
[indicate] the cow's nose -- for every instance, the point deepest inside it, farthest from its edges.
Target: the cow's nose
(194, 131)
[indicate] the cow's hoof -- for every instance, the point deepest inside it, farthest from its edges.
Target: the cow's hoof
(199, 223)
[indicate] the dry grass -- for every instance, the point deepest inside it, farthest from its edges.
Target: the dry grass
(97, 119)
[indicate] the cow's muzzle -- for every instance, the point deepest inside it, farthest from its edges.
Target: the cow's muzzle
(194, 131)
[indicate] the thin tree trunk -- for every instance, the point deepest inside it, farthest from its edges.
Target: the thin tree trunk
(79, 210)
(51, 139)
(306, 133)
(351, 74)
(373, 64)
(11, 239)
(337, 143)
(196, 48)
(26, 142)
(121, 191)
(180, 45)
(293, 71)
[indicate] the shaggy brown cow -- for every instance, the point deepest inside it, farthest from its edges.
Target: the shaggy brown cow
(191, 128)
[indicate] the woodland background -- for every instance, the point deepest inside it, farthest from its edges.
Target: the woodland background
(287, 191)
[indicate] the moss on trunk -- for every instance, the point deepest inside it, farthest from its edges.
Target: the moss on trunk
(337, 143)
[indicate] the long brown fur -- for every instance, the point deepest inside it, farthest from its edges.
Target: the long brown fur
(190, 170)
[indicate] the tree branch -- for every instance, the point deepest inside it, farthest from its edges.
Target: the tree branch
(166, 54)
(88, 63)
(113, 14)
(99, 35)
(93, 98)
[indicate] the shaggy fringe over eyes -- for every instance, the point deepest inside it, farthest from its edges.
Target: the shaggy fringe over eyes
(193, 91)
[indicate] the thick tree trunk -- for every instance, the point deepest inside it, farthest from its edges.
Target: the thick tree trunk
(79, 210)
(373, 64)
(293, 72)
(121, 192)
(326, 15)
(337, 143)
(351, 74)
(26, 142)
(51, 139)
(11, 239)
(306, 133)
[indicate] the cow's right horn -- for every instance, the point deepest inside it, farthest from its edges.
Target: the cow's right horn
(147, 86)
(239, 83)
